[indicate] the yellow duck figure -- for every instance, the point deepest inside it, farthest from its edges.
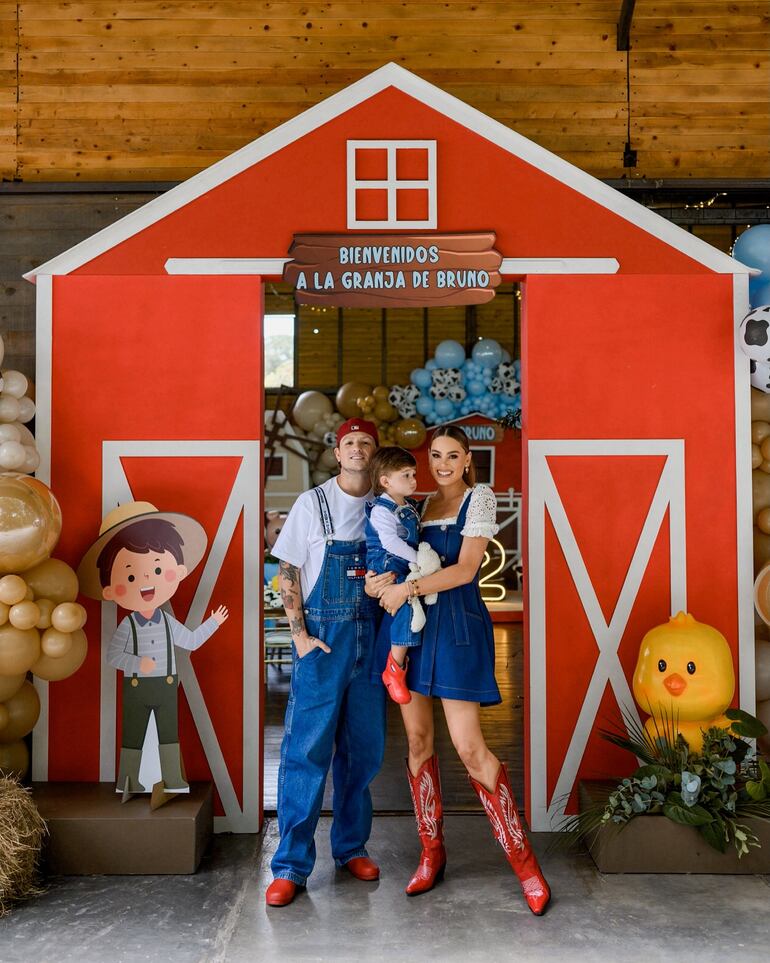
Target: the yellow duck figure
(684, 676)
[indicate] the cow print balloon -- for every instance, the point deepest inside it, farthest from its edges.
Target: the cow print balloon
(504, 381)
(754, 334)
(443, 380)
(403, 398)
(760, 376)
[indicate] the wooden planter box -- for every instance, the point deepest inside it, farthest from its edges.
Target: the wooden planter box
(655, 844)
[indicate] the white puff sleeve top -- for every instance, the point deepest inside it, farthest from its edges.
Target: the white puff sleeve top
(481, 518)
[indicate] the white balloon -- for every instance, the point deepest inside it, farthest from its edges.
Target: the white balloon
(9, 432)
(26, 409)
(31, 459)
(26, 436)
(762, 669)
(14, 383)
(12, 455)
(9, 408)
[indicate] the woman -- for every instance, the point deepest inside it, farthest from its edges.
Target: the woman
(456, 664)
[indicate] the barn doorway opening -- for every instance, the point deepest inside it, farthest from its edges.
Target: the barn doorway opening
(314, 348)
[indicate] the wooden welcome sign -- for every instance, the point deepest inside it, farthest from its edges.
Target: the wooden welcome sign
(393, 270)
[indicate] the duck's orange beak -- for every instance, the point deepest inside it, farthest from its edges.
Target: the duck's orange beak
(675, 684)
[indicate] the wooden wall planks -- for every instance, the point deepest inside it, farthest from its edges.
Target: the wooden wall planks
(159, 89)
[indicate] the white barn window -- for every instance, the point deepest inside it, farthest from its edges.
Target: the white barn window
(391, 184)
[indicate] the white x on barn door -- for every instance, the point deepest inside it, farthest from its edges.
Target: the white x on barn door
(243, 497)
(544, 497)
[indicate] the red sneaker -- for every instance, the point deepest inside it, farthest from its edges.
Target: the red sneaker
(363, 868)
(280, 892)
(394, 678)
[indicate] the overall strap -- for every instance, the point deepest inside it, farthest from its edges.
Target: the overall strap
(168, 644)
(326, 515)
(135, 640)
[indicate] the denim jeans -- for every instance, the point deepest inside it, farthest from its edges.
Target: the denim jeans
(334, 710)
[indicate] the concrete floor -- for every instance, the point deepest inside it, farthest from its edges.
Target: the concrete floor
(476, 914)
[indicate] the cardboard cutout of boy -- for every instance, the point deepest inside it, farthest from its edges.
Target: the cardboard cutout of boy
(138, 561)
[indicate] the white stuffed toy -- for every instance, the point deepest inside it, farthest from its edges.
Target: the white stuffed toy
(427, 563)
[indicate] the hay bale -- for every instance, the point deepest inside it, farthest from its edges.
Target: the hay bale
(21, 837)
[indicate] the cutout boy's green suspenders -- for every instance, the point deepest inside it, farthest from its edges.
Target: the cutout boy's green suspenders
(135, 639)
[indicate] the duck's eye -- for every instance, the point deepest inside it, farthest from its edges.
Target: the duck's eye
(130, 578)
(691, 668)
(157, 571)
(661, 665)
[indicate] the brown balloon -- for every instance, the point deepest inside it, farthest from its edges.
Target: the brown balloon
(760, 483)
(19, 649)
(53, 579)
(760, 405)
(23, 711)
(13, 589)
(10, 685)
(761, 550)
(5, 716)
(14, 759)
(410, 433)
(45, 607)
(348, 395)
(30, 522)
(759, 431)
(381, 392)
(53, 669)
(55, 643)
(756, 456)
(763, 521)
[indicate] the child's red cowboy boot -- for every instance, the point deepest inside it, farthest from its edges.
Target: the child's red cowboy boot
(394, 678)
(500, 807)
(426, 796)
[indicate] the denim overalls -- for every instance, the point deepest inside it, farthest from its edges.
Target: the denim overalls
(395, 628)
(334, 707)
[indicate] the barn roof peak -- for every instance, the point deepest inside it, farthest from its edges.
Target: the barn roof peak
(391, 75)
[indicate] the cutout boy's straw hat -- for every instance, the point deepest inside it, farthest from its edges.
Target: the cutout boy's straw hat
(193, 535)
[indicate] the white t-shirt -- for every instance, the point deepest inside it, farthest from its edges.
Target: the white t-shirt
(302, 542)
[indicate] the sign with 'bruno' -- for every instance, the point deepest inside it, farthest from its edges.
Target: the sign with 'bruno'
(393, 270)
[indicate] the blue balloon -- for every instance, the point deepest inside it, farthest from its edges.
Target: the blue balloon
(430, 364)
(424, 405)
(760, 295)
(476, 388)
(506, 355)
(421, 378)
(487, 353)
(450, 354)
(753, 248)
(445, 408)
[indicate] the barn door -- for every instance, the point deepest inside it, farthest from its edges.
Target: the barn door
(156, 395)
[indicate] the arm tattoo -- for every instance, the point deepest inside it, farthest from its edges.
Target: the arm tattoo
(291, 596)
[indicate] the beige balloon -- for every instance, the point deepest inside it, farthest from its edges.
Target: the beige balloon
(55, 644)
(23, 711)
(19, 649)
(4, 610)
(30, 522)
(45, 607)
(14, 759)
(29, 595)
(310, 408)
(25, 615)
(5, 717)
(14, 383)
(10, 685)
(327, 460)
(13, 589)
(53, 669)
(759, 431)
(763, 521)
(762, 669)
(9, 408)
(53, 579)
(26, 410)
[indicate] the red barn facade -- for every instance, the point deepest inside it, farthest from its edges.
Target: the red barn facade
(637, 488)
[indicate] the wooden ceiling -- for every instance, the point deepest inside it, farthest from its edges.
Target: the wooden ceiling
(139, 90)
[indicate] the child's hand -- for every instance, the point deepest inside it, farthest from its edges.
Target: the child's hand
(221, 615)
(146, 664)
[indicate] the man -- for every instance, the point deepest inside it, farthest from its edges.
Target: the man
(334, 708)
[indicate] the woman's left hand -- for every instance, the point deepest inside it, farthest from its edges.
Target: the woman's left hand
(394, 597)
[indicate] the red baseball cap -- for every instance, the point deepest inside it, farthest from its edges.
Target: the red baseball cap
(357, 424)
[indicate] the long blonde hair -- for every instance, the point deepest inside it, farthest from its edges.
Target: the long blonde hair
(458, 435)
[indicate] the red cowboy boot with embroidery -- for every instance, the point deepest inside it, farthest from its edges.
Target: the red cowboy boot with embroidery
(426, 797)
(500, 807)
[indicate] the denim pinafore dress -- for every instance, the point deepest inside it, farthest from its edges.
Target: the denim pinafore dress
(457, 657)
